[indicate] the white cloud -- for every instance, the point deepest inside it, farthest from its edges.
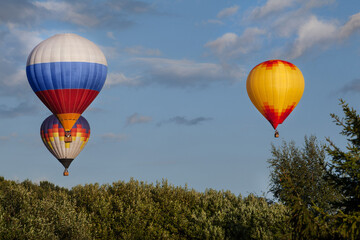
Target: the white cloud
(120, 79)
(289, 23)
(140, 50)
(110, 52)
(17, 43)
(231, 45)
(69, 12)
(116, 137)
(182, 68)
(315, 3)
(19, 11)
(351, 26)
(313, 32)
(16, 79)
(187, 73)
(110, 35)
(271, 6)
(213, 21)
(26, 39)
(136, 118)
(277, 7)
(15, 46)
(226, 41)
(228, 12)
(179, 120)
(22, 109)
(176, 73)
(310, 31)
(131, 6)
(109, 14)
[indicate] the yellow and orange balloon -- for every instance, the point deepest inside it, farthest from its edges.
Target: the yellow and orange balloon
(275, 87)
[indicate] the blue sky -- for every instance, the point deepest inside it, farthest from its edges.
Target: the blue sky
(174, 104)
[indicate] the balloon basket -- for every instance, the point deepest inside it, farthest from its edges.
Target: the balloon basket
(276, 134)
(68, 139)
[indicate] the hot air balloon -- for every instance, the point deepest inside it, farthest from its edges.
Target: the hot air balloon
(52, 133)
(66, 72)
(275, 88)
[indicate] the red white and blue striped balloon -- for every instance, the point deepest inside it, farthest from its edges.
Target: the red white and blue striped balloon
(66, 72)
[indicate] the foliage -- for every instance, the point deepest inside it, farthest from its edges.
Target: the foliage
(345, 166)
(322, 193)
(344, 174)
(298, 179)
(301, 173)
(134, 210)
(29, 211)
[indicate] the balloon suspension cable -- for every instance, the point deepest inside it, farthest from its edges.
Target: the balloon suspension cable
(276, 135)
(66, 172)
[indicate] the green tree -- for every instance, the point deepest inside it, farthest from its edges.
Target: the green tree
(344, 174)
(27, 211)
(298, 179)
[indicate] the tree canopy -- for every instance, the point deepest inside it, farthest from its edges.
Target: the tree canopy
(319, 183)
(133, 210)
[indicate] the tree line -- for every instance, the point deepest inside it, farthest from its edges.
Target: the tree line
(133, 210)
(315, 187)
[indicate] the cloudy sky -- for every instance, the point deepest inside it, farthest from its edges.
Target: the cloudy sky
(174, 104)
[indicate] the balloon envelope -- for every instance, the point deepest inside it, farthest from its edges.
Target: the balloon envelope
(275, 88)
(52, 134)
(66, 72)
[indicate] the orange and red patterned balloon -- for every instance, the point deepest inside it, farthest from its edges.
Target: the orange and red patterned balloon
(53, 134)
